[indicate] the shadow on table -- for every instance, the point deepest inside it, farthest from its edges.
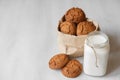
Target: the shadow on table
(114, 58)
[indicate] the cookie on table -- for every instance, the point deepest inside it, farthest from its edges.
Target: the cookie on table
(58, 61)
(72, 69)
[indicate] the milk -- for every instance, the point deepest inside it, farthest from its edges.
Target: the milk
(96, 52)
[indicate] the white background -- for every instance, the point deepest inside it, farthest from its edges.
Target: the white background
(28, 36)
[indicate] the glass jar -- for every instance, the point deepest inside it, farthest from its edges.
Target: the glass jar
(96, 53)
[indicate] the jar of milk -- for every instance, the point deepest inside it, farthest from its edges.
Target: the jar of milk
(96, 52)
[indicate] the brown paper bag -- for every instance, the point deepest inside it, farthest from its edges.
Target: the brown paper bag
(71, 44)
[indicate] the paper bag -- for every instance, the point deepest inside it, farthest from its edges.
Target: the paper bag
(71, 44)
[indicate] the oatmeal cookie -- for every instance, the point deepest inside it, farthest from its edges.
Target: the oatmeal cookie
(72, 69)
(85, 27)
(58, 61)
(75, 15)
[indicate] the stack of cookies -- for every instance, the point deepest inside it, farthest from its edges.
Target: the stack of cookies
(69, 67)
(75, 23)
(73, 29)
